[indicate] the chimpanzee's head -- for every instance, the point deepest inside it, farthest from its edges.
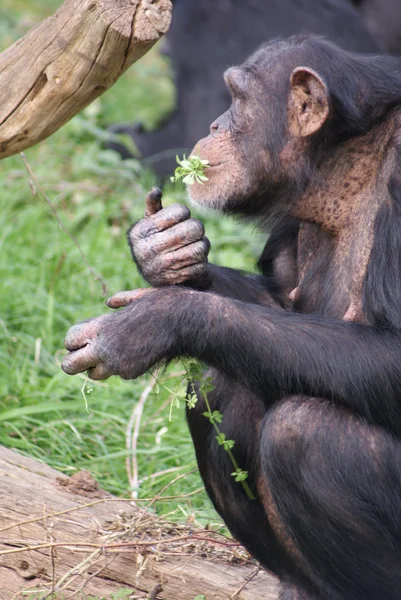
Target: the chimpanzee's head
(278, 106)
(290, 101)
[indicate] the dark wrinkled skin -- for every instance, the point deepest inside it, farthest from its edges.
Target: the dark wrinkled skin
(169, 247)
(126, 342)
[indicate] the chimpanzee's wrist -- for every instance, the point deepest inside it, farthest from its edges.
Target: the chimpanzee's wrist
(203, 283)
(186, 320)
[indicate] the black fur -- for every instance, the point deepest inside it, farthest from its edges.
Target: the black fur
(382, 290)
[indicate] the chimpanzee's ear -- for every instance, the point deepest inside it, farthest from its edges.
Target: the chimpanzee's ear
(309, 102)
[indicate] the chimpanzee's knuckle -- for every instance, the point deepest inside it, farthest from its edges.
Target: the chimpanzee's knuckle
(178, 277)
(178, 212)
(199, 251)
(77, 335)
(198, 269)
(100, 372)
(196, 228)
(174, 277)
(69, 365)
(167, 218)
(206, 244)
(70, 338)
(186, 273)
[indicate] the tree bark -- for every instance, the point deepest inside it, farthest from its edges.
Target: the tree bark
(38, 506)
(68, 60)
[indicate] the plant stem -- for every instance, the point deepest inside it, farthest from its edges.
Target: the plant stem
(236, 466)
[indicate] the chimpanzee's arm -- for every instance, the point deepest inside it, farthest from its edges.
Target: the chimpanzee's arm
(278, 353)
(278, 264)
(257, 289)
(273, 352)
(169, 247)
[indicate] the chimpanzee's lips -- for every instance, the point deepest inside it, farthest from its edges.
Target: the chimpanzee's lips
(214, 166)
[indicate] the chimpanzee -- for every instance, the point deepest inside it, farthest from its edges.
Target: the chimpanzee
(206, 37)
(305, 357)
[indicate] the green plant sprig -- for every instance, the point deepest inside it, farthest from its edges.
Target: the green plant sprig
(194, 373)
(190, 169)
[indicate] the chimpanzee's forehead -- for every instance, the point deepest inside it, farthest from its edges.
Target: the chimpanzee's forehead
(282, 56)
(271, 63)
(282, 53)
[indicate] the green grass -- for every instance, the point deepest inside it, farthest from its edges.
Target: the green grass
(46, 287)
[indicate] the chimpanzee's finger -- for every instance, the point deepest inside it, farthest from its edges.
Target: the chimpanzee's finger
(125, 298)
(189, 231)
(82, 333)
(99, 372)
(186, 255)
(153, 201)
(80, 360)
(177, 276)
(163, 219)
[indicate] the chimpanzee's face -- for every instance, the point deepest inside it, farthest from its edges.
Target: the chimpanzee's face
(255, 147)
(234, 148)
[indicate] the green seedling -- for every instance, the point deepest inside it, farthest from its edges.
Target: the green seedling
(190, 169)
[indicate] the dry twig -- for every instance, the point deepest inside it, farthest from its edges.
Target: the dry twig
(132, 435)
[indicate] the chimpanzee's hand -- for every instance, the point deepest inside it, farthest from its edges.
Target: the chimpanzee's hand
(168, 245)
(127, 342)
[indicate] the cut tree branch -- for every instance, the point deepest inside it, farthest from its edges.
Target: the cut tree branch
(69, 59)
(65, 535)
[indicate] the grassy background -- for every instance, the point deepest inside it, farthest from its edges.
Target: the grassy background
(46, 287)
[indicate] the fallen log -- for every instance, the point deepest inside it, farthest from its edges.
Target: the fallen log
(66, 535)
(69, 59)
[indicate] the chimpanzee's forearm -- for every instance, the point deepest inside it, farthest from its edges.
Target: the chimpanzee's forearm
(231, 283)
(283, 353)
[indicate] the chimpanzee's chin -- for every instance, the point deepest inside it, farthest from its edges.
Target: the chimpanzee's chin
(201, 198)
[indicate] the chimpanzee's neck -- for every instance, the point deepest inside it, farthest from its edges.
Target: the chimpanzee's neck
(343, 205)
(345, 183)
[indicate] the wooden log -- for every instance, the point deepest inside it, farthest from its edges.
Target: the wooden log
(68, 60)
(49, 519)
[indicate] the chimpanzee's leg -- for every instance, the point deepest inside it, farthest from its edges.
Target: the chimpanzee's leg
(331, 485)
(243, 414)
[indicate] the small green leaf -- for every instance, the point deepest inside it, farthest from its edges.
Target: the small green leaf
(190, 170)
(182, 393)
(214, 417)
(189, 179)
(221, 438)
(240, 475)
(207, 385)
(192, 400)
(217, 416)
